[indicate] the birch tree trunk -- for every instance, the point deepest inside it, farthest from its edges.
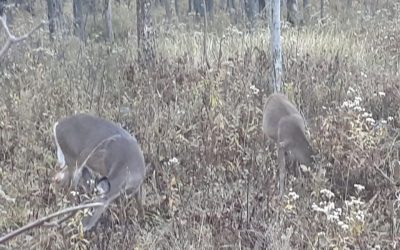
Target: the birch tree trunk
(306, 11)
(276, 46)
(55, 16)
(168, 10)
(177, 9)
(110, 31)
(78, 19)
(321, 2)
(292, 12)
(145, 34)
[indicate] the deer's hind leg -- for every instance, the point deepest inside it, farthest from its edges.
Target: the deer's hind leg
(60, 154)
(139, 202)
(282, 170)
(116, 187)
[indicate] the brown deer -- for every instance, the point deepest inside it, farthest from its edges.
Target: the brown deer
(88, 142)
(284, 124)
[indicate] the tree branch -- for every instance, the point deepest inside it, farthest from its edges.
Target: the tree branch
(42, 220)
(11, 39)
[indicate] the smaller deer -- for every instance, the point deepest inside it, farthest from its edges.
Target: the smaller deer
(284, 124)
(87, 142)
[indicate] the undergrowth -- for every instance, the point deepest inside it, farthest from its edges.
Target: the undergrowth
(212, 182)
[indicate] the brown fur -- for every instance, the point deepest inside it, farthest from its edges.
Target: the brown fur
(105, 148)
(283, 123)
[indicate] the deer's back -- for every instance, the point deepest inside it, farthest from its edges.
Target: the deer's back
(79, 134)
(277, 107)
(123, 157)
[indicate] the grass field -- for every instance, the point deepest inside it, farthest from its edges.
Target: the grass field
(212, 183)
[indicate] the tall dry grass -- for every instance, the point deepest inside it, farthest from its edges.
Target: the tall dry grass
(212, 183)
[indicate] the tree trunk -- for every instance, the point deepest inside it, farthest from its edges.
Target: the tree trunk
(249, 9)
(349, 3)
(191, 5)
(230, 4)
(110, 32)
(292, 12)
(252, 9)
(322, 8)
(168, 11)
(276, 46)
(177, 8)
(366, 7)
(210, 8)
(205, 56)
(306, 10)
(2, 8)
(261, 6)
(91, 8)
(55, 16)
(145, 34)
(78, 19)
(255, 7)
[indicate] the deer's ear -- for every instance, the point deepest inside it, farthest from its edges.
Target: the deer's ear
(103, 185)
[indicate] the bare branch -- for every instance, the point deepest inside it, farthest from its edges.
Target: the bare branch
(11, 39)
(42, 220)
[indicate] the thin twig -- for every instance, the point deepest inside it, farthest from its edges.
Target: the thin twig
(42, 220)
(205, 36)
(11, 39)
(384, 175)
(220, 53)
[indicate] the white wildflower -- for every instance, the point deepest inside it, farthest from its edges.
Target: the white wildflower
(364, 75)
(254, 89)
(305, 168)
(381, 93)
(359, 187)
(366, 114)
(360, 215)
(332, 217)
(345, 104)
(390, 118)
(293, 195)
(343, 225)
(354, 202)
(328, 194)
(383, 121)
(357, 100)
(316, 208)
(74, 193)
(173, 160)
(370, 120)
(330, 206)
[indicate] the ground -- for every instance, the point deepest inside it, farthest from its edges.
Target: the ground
(211, 182)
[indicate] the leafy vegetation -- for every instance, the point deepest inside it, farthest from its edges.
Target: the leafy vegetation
(212, 180)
